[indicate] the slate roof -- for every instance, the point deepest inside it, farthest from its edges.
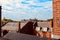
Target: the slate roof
(23, 23)
(10, 26)
(3, 38)
(44, 24)
(20, 36)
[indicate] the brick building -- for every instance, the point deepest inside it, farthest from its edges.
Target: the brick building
(10, 27)
(56, 19)
(26, 27)
(44, 28)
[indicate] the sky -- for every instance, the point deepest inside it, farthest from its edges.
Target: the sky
(26, 9)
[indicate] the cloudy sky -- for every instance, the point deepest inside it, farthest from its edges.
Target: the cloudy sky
(26, 9)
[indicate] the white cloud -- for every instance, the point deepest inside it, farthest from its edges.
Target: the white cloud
(3, 2)
(24, 8)
(7, 7)
(22, 13)
(44, 4)
(18, 5)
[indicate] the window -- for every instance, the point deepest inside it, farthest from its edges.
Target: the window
(47, 29)
(40, 28)
(44, 29)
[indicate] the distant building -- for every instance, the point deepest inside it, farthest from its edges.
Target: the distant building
(27, 28)
(56, 19)
(31, 27)
(10, 27)
(44, 28)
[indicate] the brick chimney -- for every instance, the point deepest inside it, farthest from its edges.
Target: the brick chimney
(19, 26)
(0, 21)
(51, 23)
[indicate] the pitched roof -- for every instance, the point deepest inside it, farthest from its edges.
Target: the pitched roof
(23, 23)
(44, 24)
(3, 38)
(10, 26)
(19, 36)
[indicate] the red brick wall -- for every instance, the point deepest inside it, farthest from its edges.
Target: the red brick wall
(43, 34)
(51, 23)
(56, 17)
(38, 33)
(48, 34)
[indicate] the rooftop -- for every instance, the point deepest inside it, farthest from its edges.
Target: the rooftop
(44, 24)
(20, 36)
(10, 26)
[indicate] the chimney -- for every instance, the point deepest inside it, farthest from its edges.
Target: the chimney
(19, 26)
(0, 21)
(51, 23)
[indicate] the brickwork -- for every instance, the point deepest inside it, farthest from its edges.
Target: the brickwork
(48, 34)
(50, 23)
(43, 34)
(56, 17)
